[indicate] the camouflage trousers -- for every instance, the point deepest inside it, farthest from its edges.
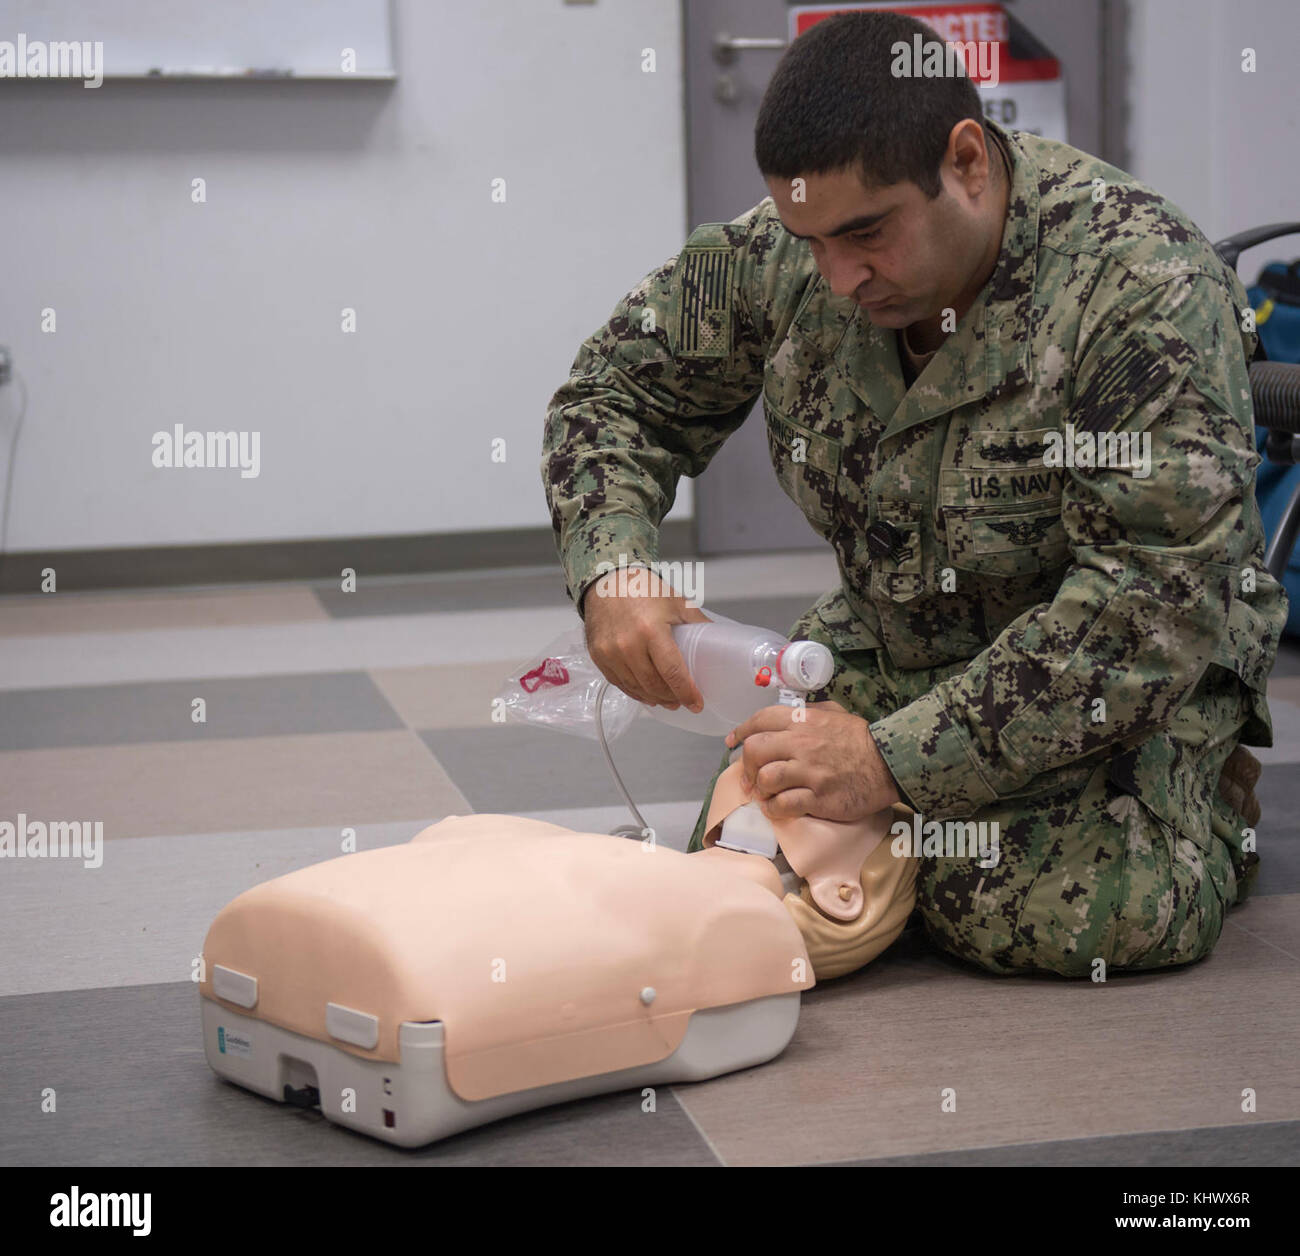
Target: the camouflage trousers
(1085, 871)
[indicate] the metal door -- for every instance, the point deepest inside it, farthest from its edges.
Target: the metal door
(731, 49)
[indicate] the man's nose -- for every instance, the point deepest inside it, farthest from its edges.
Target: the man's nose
(845, 273)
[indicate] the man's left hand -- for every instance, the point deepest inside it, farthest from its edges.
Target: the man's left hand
(824, 764)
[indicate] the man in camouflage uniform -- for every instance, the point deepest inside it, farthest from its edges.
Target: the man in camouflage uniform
(1067, 650)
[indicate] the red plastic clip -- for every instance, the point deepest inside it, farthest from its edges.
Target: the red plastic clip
(764, 677)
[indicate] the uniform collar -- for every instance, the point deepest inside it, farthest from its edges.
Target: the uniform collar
(1009, 294)
(989, 351)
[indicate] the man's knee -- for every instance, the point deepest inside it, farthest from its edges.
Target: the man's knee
(1100, 887)
(1177, 894)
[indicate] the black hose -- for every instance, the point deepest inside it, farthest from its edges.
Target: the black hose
(1275, 391)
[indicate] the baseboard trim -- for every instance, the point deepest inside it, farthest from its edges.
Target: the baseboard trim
(247, 563)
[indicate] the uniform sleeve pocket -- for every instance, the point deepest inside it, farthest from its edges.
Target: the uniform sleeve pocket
(1247, 649)
(842, 624)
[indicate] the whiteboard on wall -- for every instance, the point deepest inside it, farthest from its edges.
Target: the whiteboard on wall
(239, 39)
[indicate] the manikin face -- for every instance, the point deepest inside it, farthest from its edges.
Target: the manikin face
(902, 256)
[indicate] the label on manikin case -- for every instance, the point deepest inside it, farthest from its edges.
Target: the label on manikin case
(231, 1043)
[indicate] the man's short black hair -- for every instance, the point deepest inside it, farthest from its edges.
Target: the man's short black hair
(835, 103)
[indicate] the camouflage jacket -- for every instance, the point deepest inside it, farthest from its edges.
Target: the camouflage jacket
(1108, 313)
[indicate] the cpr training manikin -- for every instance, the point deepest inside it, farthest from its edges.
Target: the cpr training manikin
(495, 964)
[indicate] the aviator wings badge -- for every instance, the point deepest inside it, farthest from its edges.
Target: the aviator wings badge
(1023, 531)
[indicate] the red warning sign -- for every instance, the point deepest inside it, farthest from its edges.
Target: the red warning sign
(1019, 78)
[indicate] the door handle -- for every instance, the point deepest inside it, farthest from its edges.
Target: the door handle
(726, 47)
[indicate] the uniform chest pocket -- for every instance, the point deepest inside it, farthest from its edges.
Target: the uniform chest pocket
(807, 465)
(1006, 540)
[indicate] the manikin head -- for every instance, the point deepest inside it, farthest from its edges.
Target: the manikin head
(893, 179)
(850, 894)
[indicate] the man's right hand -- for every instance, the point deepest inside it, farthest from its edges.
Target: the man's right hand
(630, 640)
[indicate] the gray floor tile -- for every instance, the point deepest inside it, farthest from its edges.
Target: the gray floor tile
(278, 649)
(491, 592)
(1286, 735)
(1288, 658)
(224, 784)
(1271, 1143)
(515, 769)
(32, 614)
(417, 597)
(133, 1088)
(1278, 792)
(1279, 863)
(141, 916)
(243, 706)
(734, 580)
(1033, 1059)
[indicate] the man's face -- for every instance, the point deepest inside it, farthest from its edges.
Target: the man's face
(903, 258)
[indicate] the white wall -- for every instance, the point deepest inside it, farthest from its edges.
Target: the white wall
(1220, 143)
(227, 315)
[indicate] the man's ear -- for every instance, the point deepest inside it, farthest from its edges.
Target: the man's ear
(968, 156)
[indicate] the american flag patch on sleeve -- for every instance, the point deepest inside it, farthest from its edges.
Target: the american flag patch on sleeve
(704, 295)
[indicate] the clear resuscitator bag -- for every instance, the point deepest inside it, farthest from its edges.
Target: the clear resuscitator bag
(558, 689)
